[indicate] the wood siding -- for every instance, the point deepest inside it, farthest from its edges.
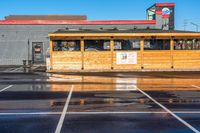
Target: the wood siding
(66, 60)
(157, 59)
(189, 59)
(100, 60)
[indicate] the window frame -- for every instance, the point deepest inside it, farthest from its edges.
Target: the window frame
(184, 43)
(77, 47)
(96, 44)
(131, 44)
(156, 41)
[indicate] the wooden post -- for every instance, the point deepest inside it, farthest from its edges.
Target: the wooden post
(82, 53)
(51, 54)
(172, 52)
(141, 51)
(112, 49)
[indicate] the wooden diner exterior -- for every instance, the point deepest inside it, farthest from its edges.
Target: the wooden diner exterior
(144, 50)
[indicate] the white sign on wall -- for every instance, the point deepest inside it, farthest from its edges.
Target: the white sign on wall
(126, 58)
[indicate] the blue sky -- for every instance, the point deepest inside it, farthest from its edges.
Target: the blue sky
(102, 9)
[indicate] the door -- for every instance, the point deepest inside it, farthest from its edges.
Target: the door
(37, 53)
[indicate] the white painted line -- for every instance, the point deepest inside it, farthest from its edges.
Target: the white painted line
(170, 112)
(8, 70)
(62, 117)
(6, 88)
(186, 112)
(196, 86)
(137, 112)
(15, 70)
(88, 113)
(33, 113)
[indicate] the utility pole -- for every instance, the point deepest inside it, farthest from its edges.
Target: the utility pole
(185, 23)
(196, 25)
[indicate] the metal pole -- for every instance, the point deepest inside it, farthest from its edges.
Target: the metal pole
(28, 49)
(185, 24)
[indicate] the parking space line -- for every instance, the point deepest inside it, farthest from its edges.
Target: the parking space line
(88, 113)
(33, 113)
(137, 112)
(7, 70)
(196, 86)
(15, 70)
(6, 88)
(62, 117)
(170, 112)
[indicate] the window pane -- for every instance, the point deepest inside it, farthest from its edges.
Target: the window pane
(127, 44)
(187, 44)
(66, 45)
(97, 45)
(157, 44)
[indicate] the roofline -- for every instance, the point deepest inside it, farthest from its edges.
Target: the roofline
(189, 34)
(74, 22)
(165, 4)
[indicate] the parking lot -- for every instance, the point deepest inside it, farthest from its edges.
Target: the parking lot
(148, 102)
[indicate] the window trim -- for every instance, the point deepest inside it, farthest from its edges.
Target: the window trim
(67, 50)
(126, 49)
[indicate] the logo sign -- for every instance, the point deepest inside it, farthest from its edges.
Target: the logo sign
(166, 11)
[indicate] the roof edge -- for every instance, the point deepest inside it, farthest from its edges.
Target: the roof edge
(74, 22)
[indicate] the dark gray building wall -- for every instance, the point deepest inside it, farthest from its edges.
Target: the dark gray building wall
(14, 39)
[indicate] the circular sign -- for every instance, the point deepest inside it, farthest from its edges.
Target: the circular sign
(166, 11)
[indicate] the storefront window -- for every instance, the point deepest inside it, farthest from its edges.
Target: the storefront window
(188, 44)
(97, 45)
(66, 45)
(127, 44)
(157, 44)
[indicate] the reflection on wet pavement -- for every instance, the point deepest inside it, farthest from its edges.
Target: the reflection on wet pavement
(32, 98)
(119, 101)
(95, 94)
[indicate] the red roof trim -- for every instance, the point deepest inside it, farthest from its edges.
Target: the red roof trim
(75, 22)
(165, 16)
(165, 4)
(159, 12)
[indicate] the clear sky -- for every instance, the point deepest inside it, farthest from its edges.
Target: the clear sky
(102, 9)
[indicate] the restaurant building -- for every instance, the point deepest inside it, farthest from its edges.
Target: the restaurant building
(127, 50)
(77, 44)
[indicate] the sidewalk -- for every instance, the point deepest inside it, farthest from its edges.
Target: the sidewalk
(19, 69)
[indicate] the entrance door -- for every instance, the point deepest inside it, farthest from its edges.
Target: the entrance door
(37, 53)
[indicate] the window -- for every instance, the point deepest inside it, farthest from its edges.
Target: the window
(151, 15)
(66, 45)
(187, 44)
(97, 45)
(157, 44)
(127, 44)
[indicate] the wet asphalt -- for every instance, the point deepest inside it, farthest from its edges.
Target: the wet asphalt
(100, 102)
